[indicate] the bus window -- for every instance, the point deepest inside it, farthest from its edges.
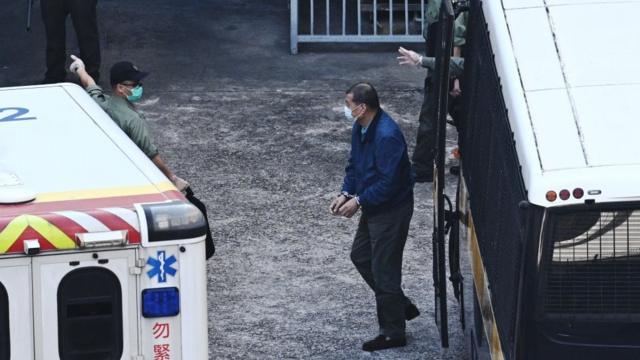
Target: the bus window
(5, 345)
(593, 264)
(90, 315)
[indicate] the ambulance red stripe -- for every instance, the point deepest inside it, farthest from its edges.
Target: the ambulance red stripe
(88, 204)
(113, 222)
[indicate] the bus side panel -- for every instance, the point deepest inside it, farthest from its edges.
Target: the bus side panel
(475, 338)
(494, 181)
(481, 319)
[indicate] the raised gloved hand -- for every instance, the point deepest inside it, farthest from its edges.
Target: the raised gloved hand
(76, 65)
(179, 183)
(409, 57)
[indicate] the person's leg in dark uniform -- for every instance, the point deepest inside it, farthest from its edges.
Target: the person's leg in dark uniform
(377, 255)
(84, 17)
(54, 14)
(423, 154)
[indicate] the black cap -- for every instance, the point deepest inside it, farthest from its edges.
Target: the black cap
(126, 71)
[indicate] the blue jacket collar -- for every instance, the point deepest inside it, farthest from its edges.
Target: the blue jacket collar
(371, 129)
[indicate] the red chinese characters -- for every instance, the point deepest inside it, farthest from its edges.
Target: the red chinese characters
(161, 352)
(161, 330)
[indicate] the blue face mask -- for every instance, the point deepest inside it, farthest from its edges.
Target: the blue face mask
(136, 94)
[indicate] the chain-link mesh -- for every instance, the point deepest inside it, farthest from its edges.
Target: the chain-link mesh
(593, 265)
(492, 174)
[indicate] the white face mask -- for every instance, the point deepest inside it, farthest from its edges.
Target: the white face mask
(348, 115)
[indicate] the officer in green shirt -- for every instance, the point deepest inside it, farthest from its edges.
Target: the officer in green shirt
(126, 86)
(424, 151)
(431, 16)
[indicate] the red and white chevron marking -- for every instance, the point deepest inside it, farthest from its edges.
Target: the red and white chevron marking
(102, 220)
(73, 222)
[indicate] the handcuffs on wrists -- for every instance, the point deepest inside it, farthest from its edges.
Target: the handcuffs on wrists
(349, 197)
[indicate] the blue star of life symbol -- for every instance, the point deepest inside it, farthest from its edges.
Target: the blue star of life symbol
(161, 266)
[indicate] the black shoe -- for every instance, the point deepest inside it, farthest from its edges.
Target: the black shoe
(382, 342)
(411, 312)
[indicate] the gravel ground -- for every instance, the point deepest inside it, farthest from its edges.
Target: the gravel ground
(281, 284)
(260, 135)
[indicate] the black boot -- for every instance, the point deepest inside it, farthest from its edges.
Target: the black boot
(382, 342)
(411, 312)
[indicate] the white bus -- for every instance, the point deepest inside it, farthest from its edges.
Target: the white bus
(549, 195)
(100, 256)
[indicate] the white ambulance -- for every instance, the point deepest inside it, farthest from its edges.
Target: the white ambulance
(100, 256)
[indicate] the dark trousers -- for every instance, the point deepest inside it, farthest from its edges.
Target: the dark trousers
(83, 16)
(377, 254)
(424, 152)
(426, 140)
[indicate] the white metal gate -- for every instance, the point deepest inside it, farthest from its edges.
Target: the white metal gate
(358, 21)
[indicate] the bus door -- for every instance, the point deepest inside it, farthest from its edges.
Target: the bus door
(444, 41)
(16, 325)
(85, 305)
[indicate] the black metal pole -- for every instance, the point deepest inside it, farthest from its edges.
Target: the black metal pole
(29, 10)
(444, 44)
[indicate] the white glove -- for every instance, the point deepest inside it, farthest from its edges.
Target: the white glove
(409, 57)
(181, 184)
(76, 65)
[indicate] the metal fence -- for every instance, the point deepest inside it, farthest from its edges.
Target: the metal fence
(356, 21)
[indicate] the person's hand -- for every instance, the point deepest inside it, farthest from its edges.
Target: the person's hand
(179, 183)
(456, 90)
(349, 208)
(336, 203)
(409, 57)
(76, 65)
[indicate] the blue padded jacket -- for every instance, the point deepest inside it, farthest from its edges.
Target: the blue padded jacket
(379, 171)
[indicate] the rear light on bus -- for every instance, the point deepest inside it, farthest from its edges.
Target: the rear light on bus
(565, 194)
(578, 193)
(160, 302)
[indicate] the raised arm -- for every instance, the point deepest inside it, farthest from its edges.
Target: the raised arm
(77, 67)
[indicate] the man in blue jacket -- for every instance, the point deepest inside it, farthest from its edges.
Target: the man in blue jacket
(378, 180)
